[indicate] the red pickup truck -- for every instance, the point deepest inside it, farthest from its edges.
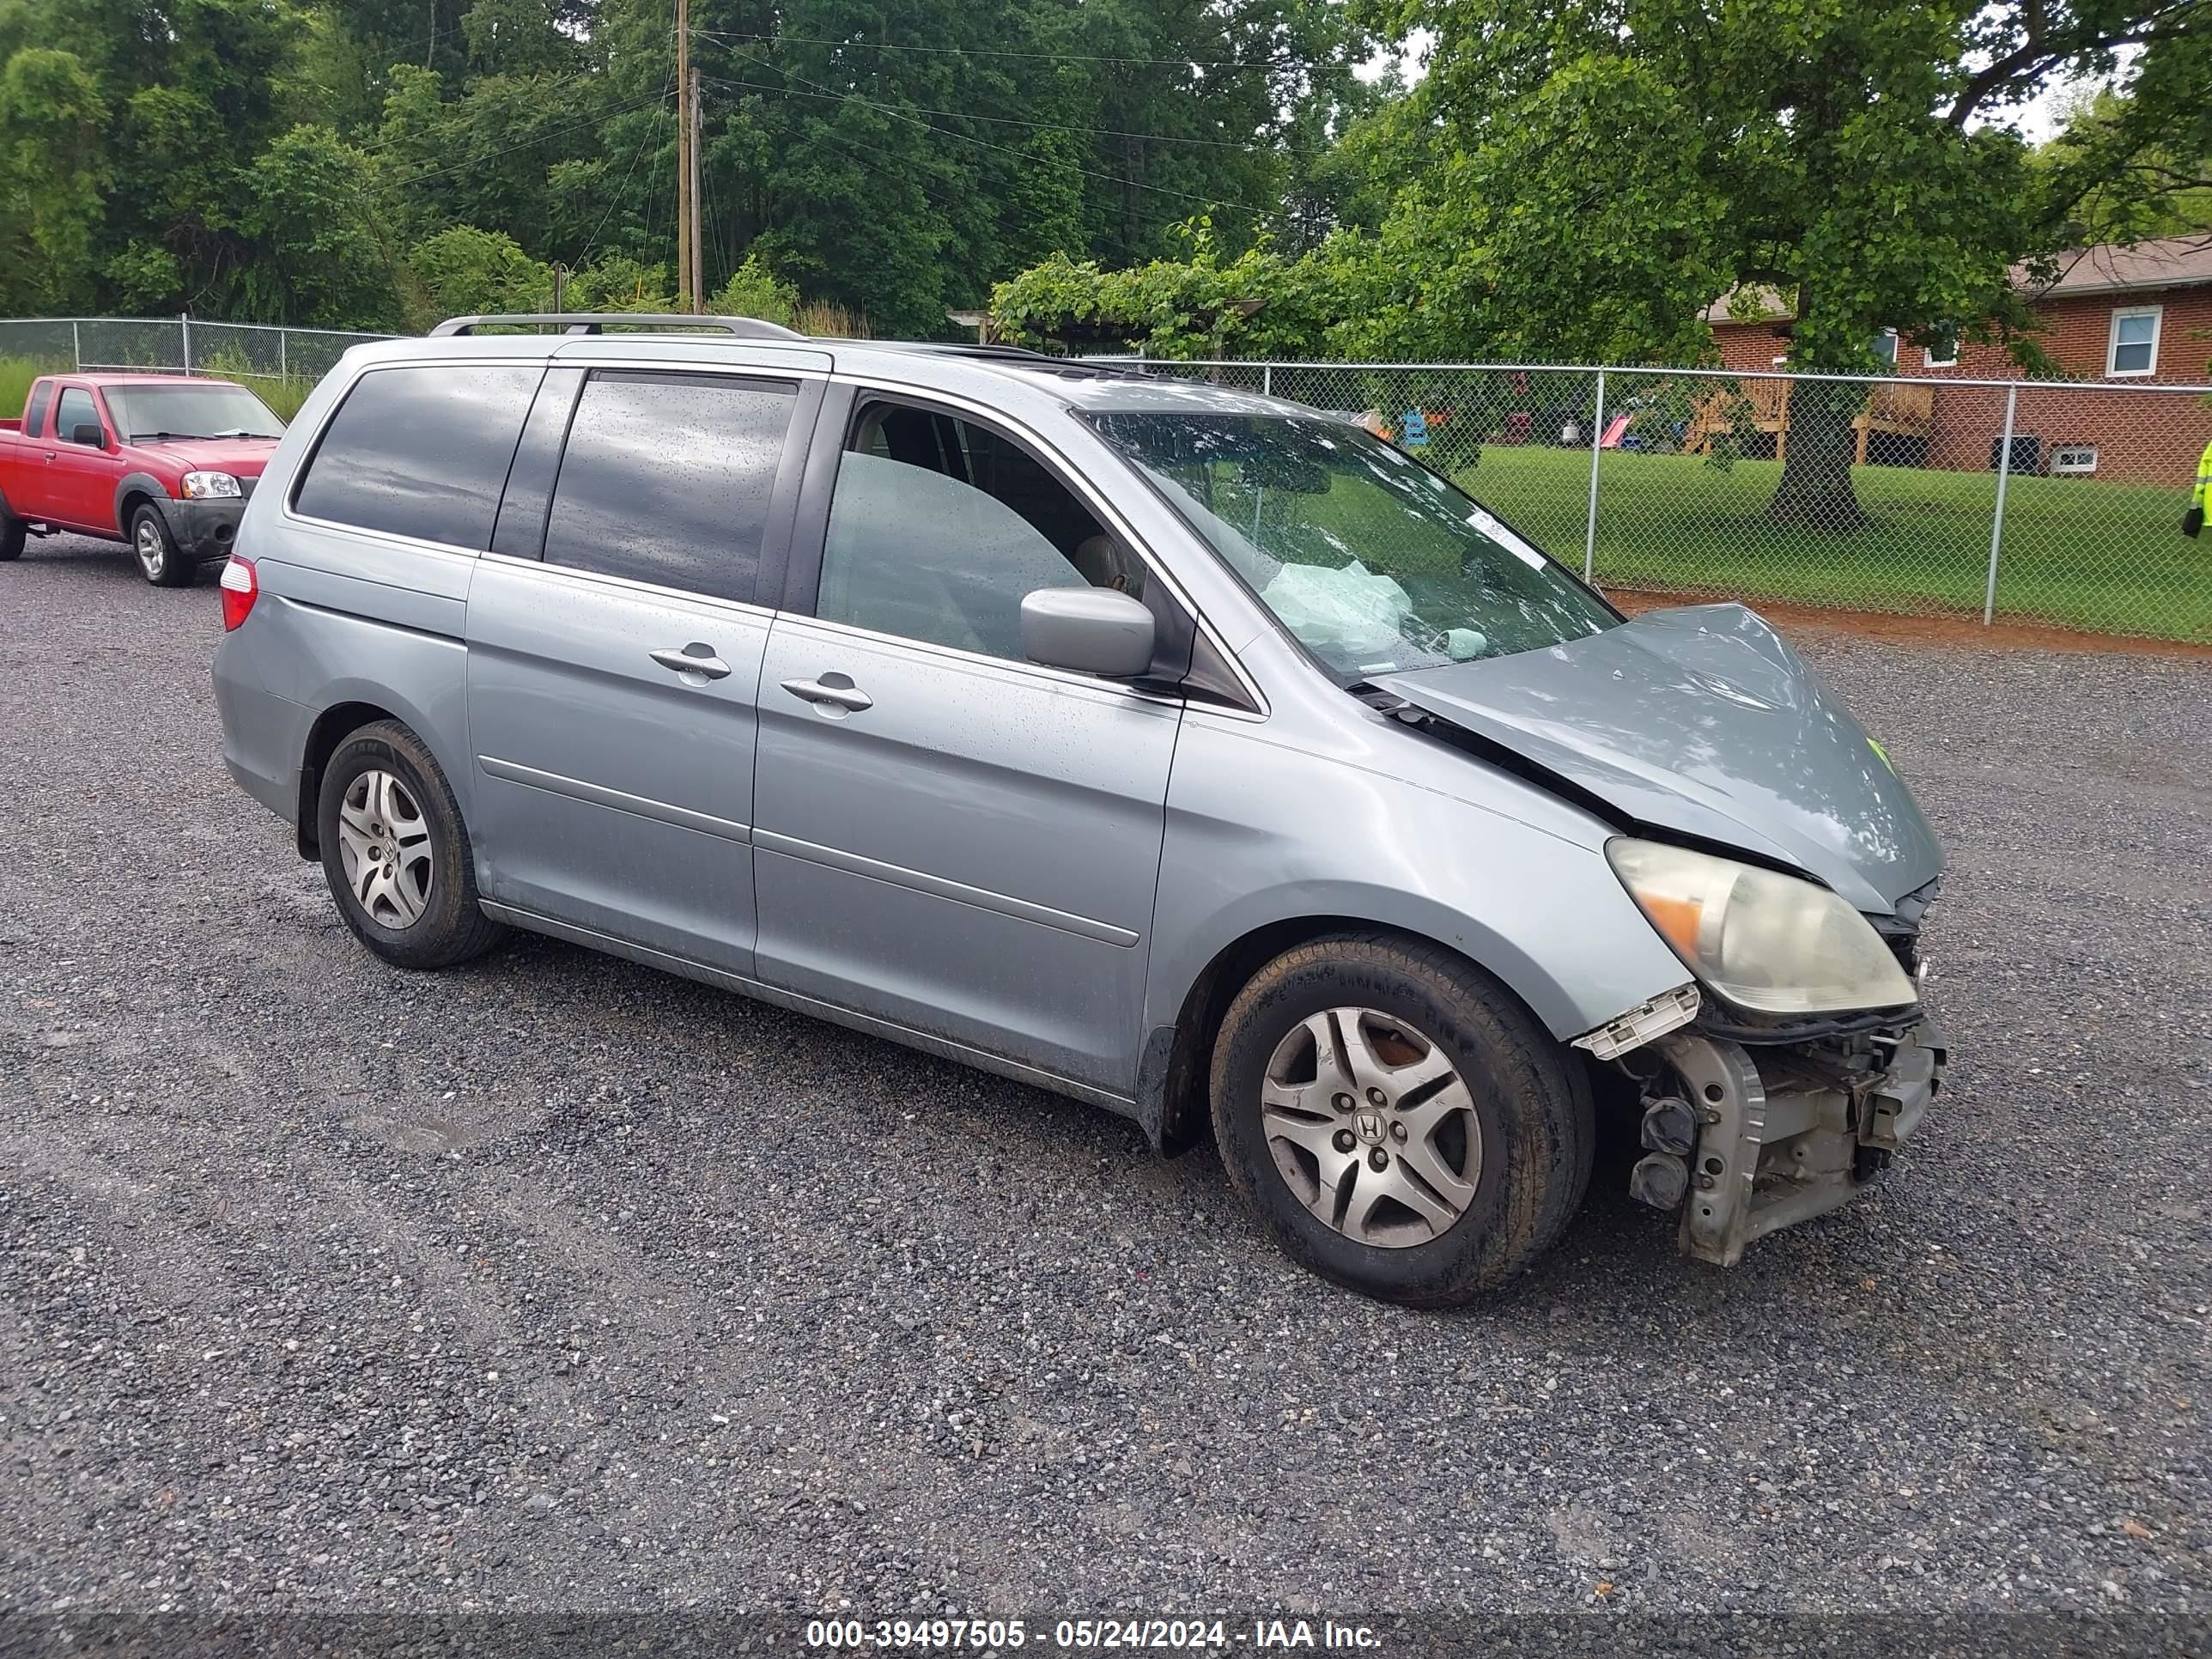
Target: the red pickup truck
(161, 461)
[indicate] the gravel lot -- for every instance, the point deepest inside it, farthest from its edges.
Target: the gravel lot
(559, 1284)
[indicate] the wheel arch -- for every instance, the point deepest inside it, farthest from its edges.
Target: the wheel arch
(1177, 1056)
(137, 489)
(332, 727)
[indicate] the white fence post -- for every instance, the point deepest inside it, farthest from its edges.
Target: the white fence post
(185, 322)
(1597, 438)
(1267, 379)
(283, 354)
(76, 345)
(1996, 523)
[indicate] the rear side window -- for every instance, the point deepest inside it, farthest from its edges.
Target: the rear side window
(75, 410)
(34, 419)
(421, 452)
(668, 479)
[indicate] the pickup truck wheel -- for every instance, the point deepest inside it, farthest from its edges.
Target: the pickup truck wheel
(155, 549)
(396, 854)
(12, 531)
(1397, 1119)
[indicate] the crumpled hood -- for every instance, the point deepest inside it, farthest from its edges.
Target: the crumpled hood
(1702, 720)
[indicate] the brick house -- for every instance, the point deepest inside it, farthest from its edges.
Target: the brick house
(2114, 316)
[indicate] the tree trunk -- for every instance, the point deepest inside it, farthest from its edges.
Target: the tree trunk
(1816, 492)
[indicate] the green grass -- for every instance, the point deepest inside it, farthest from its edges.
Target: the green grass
(16, 374)
(2105, 557)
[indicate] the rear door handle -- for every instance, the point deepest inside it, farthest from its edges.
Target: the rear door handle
(847, 696)
(693, 658)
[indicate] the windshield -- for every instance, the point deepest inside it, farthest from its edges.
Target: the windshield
(191, 411)
(1375, 563)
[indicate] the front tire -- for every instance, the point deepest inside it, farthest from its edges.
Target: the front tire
(1397, 1120)
(396, 854)
(160, 560)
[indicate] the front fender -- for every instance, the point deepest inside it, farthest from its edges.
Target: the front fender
(1256, 838)
(140, 484)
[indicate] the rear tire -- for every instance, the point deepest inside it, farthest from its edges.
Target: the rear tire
(12, 531)
(160, 560)
(1465, 1147)
(396, 853)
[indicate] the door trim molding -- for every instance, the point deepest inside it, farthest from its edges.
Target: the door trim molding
(944, 1047)
(555, 783)
(919, 881)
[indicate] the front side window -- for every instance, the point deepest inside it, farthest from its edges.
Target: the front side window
(1374, 563)
(2134, 342)
(145, 412)
(940, 527)
(421, 452)
(668, 477)
(75, 409)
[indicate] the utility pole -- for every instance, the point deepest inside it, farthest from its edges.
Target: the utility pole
(686, 299)
(430, 47)
(698, 200)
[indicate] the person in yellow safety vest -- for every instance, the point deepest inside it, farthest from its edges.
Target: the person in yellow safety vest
(2193, 520)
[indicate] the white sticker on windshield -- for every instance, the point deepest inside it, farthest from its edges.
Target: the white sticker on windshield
(1491, 526)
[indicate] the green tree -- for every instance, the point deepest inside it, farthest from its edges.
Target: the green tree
(51, 170)
(1632, 159)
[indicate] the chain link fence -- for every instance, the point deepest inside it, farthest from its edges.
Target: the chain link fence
(280, 364)
(2050, 501)
(2046, 501)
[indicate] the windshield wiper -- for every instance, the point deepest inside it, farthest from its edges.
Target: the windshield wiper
(241, 432)
(153, 437)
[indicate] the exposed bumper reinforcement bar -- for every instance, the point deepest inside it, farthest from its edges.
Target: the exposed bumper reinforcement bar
(1800, 1137)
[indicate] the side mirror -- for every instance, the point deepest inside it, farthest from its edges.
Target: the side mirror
(1093, 630)
(87, 433)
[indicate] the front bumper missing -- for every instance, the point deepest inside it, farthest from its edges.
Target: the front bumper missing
(1794, 1133)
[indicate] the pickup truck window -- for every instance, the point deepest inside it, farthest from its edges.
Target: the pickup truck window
(143, 412)
(421, 452)
(77, 410)
(34, 418)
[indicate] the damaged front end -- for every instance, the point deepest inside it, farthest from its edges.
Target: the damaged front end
(1747, 1140)
(1749, 1124)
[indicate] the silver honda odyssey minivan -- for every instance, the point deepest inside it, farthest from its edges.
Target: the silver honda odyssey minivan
(1192, 753)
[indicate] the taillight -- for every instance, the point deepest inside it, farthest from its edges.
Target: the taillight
(240, 587)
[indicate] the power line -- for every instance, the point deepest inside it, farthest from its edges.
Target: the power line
(458, 116)
(1010, 121)
(981, 51)
(1005, 150)
(599, 120)
(622, 190)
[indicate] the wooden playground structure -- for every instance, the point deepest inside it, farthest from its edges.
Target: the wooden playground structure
(1892, 408)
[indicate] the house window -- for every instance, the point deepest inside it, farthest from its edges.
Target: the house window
(2134, 347)
(2074, 458)
(1885, 346)
(1943, 350)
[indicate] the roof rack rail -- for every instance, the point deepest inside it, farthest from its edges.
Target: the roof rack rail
(596, 322)
(1071, 368)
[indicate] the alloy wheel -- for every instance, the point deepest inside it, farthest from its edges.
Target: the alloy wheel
(153, 554)
(1371, 1127)
(384, 844)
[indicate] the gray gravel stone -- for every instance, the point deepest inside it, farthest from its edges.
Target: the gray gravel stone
(558, 1283)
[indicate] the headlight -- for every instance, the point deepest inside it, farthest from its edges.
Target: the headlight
(1764, 941)
(207, 486)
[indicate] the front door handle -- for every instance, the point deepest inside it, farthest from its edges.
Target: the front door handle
(693, 658)
(848, 697)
